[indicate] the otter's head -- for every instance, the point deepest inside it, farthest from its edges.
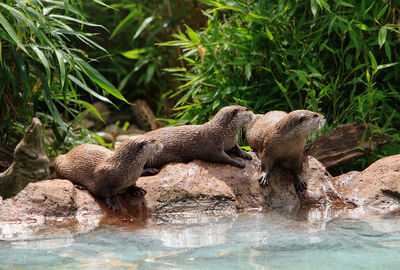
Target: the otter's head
(304, 122)
(146, 148)
(233, 116)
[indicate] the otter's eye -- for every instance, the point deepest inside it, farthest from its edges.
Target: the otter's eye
(315, 115)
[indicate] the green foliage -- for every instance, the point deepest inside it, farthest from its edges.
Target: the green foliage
(334, 57)
(136, 66)
(41, 72)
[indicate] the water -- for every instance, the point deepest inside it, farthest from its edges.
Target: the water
(271, 240)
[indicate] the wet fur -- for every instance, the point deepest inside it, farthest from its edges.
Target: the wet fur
(210, 141)
(103, 172)
(278, 137)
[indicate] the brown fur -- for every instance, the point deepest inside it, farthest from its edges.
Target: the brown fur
(279, 137)
(103, 172)
(210, 141)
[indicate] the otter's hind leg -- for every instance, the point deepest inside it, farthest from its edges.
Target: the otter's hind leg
(266, 167)
(299, 183)
(239, 152)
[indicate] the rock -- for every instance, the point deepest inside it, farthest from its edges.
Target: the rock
(212, 187)
(144, 116)
(45, 204)
(50, 199)
(320, 190)
(376, 188)
(343, 143)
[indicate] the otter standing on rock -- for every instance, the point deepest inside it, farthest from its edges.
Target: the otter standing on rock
(103, 172)
(210, 141)
(279, 137)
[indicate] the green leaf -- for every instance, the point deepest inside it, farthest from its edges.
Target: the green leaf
(386, 66)
(362, 26)
(283, 89)
(143, 26)
(61, 63)
(149, 73)
(87, 89)
(345, 4)
(43, 59)
(382, 36)
(269, 34)
(49, 101)
(95, 76)
(381, 12)
(388, 51)
(75, 20)
(12, 33)
(123, 24)
(91, 108)
(192, 35)
(247, 70)
(1, 57)
(373, 60)
(314, 7)
(134, 54)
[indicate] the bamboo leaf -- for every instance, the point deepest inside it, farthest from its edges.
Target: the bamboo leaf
(314, 7)
(12, 33)
(61, 63)
(247, 69)
(373, 60)
(143, 26)
(75, 20)
(192, 35)
(123, 24)
(382, 36)
(42, 59)
(134, 54)
(386, 66)
(87, 89)
(91, 108)
(96, 77)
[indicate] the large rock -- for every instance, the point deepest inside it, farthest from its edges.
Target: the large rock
(48, 202)
(376, 188)
(212, 187)
(344, 143)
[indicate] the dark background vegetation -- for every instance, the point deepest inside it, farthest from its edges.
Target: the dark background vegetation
(189, 58)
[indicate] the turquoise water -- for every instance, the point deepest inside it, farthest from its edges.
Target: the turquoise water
(247, 241)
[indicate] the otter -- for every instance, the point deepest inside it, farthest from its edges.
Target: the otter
(211, 141)
(107, 173)
(279, 137)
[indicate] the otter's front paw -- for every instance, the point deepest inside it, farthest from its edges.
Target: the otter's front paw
(136, 191)
(240, 165)
(299, 183)
(112, 203)
(149, 171)
(244, 155)
(264, 181)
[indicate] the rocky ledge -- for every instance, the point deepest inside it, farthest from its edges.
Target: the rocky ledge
(203, 187)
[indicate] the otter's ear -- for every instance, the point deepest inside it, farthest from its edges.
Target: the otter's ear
(302, 118)
(233, 113)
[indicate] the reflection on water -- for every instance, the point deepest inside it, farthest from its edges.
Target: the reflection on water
(315, 239)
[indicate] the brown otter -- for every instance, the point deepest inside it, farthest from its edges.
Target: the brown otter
(279, 137)
(103, 172)
(210, 141)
